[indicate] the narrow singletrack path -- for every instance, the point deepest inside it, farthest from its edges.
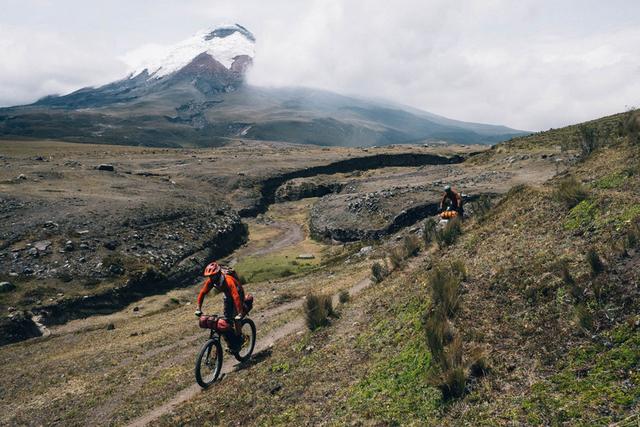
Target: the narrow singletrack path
(230, 365)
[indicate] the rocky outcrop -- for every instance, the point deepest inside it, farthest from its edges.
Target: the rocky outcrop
(300, 189)
(322, 229)
(270, 186)
(16, 327)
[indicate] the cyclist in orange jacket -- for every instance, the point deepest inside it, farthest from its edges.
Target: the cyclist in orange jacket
(229, 285)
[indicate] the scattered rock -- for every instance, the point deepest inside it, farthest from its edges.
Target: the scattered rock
(111, 245)
(111, 327)
(42, 245)
(106, 167)
(81, 232)
(21, 176)
(276, 388)
(50, 224)
(136, 308)
(6, 287)
(366, 249)
(69, 246)
(306, 256)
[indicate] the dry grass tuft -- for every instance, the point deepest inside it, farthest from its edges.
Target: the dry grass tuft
(594, 261)
(570, 192)
(317, 309)
(449, 233)
(378, 272)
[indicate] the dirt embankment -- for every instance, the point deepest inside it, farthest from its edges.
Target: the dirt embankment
(269, 187)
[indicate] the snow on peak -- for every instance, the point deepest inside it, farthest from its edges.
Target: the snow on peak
(224, 43)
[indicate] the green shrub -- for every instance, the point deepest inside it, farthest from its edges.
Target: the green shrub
(570, 192)
(449, 233)
(594, 261)
(379, 272)
(317, 309)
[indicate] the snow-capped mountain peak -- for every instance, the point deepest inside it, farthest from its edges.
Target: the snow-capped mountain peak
(224, 44)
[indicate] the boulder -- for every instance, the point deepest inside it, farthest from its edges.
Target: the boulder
(306, 256)
(106, 167)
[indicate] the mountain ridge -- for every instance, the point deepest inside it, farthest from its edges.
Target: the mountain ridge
(197, 95)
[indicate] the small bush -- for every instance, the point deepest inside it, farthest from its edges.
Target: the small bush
(435, 327)
(445, 290)
(449, 233)
(411, 245)
(317, 309)
(570, 192)
(458, 268)
(631, 126)
(453, 383)
(379, 272)
(576, 291)
(396, 257)
(344, 297)
(632, 237)
(429, 230)
(480, 366)
(588, 140)
(584, 317)
(594, 261)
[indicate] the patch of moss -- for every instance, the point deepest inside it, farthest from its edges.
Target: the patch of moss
(612, 181)
(398, 388)
(582, 215)
(597, 384)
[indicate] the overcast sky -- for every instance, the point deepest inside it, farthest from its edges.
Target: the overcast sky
(527, 64)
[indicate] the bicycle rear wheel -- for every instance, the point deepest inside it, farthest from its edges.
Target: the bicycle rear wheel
(248, 340)
(209, 363)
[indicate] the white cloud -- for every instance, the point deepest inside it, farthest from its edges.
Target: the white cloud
(530, 64)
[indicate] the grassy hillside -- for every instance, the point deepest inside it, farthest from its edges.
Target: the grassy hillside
(540, 326)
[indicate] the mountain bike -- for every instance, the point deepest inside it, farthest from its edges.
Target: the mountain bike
(209, 360)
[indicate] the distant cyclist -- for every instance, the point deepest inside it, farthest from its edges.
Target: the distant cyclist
(453, 198)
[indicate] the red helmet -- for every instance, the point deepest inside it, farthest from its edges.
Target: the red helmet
(212, 269)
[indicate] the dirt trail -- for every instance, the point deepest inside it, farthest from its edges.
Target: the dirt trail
(230, 365)
(291, 234)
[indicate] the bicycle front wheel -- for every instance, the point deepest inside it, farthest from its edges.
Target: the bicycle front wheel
(209, 363)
